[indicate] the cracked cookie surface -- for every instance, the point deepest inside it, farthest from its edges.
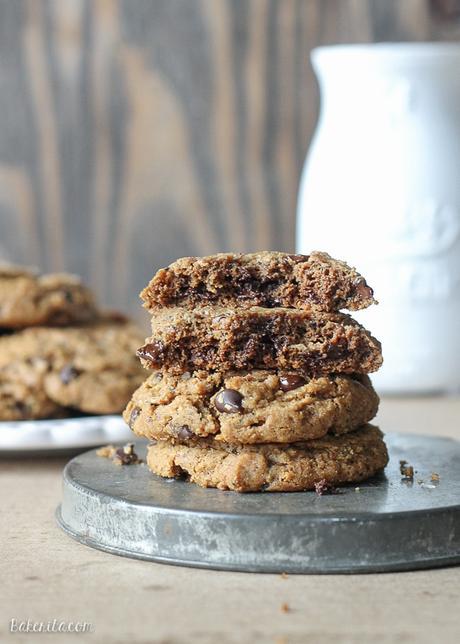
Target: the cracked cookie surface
(267, 278)
(225, 339)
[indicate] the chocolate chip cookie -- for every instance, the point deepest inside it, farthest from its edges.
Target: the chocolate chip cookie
(27, 299)
(226, 339)
(91, 368)
(249, 407)
(332, 460)
(22, 393)
(268, 279)
(100, 372)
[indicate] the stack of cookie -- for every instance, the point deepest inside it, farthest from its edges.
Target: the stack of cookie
(259, 382)
(59, 356)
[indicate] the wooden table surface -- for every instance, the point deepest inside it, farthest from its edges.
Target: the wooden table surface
(46, 575)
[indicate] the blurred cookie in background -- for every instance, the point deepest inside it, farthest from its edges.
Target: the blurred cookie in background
(28, 299)
(59, 356)
(22, 392)
(95, 369)
(92, 369)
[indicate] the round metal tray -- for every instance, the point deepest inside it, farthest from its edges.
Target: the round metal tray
(385, 524)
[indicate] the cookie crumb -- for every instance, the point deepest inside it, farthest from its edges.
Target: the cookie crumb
(285, 608)
(407, 471)
(107, 451)
(126, 455)
(120, 456)
(284, 575)
(435, 477)
(322, 487)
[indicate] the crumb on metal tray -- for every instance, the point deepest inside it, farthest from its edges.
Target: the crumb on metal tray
(407, 471)
(322, 487)
(107, 451)
(120, 455)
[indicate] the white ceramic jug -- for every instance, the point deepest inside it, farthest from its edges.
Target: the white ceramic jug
(381, 189)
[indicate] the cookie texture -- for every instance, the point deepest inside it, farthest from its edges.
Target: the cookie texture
(335, 460)
(22, 393)
(27, 299)
(226, 339)
(249, 407)
(268, 279)
(92, 368)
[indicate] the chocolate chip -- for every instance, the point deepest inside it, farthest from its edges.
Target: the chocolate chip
(364, 291)
(183, 432)
(126, 455)
(133, 416)
(291, 381)
(68, 296)
(407, 471)
(22, 407)
(118, 318)
(298, 258)
(153, 352)
(68, 373)
(126, 459)
(229, 401)
(337, 349)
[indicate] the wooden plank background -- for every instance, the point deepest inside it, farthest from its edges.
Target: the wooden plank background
(136, 131)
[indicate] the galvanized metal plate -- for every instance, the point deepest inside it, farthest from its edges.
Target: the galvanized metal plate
(385, 524)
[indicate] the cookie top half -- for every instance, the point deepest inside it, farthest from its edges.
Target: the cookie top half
(268, 278)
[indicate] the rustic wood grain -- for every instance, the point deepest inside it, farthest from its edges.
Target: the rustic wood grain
(136, 131)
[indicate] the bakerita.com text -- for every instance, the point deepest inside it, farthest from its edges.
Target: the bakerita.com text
(50, 626)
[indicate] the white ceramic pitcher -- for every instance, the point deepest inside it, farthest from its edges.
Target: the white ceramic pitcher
(381, 189)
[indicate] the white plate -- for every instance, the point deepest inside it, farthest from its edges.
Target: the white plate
(62, 434)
